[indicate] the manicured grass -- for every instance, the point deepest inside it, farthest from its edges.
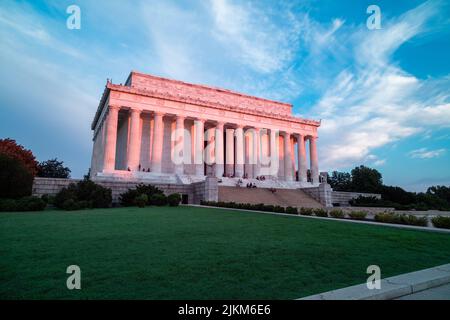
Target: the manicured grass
(199, 253)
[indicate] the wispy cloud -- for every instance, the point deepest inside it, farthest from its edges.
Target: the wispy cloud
(424, 153)
(252, 37)
(374, 102)
(333, 69)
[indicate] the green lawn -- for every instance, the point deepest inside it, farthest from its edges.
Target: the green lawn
(199, 253)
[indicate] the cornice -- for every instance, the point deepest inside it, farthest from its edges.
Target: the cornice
(198, 101)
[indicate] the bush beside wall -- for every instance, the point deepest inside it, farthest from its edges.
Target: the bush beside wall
(441, 222)
(390, 217)
(82, 195)
(337, 213)
(357, 215)
(23, 204)
(387, 217)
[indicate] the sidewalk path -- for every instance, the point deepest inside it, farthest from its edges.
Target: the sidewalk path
(437, 293)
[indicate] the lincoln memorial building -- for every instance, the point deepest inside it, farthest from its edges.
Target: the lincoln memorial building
(157, 130)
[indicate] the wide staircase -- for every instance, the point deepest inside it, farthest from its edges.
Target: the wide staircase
(282, 197)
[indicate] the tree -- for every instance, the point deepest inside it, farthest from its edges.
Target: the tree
(11, 149)
(398, 195)
(340, 181)
(16, 180)
(442, 192)
(53, 169)
(365, 179)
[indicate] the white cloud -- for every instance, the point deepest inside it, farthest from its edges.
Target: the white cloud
(379, 162)
(252, 37)
(373, 102)
(366, 101)
(424, 153)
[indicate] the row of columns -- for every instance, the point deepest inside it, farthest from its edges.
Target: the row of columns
(235, 157)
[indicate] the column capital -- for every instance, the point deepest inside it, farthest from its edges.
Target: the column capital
(220, 124)
(114, 107)
(239, 126)
(135, 110)
(180, 117)
(257, 130)
(158, 113)
(200, 120)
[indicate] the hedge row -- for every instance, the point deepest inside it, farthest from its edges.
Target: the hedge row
(441, 222)
(82, 195)
(22, 204)
(390, 217)
(248, 206)
(143, 195)
(386, 217)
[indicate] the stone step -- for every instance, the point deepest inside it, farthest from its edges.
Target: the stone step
(282, 197)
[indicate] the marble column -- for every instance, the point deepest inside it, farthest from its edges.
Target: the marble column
(314, 159)
(239, 168)
(256, 152)
(199, 125)
(134, 143)
(179, 148)
(287, 157)
(111, 138)
(219, 150)
(157, 148)
(302, 167)
(274, 153)
(230, 152)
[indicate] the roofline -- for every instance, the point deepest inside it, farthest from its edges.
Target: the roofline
(108, 88)
(207, 87)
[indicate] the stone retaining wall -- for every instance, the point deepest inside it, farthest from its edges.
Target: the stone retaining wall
(322, 193)
(204, 190)
(50, 186)
(342, 198)
(327, 197)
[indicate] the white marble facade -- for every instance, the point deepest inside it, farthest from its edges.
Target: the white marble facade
(161, 127)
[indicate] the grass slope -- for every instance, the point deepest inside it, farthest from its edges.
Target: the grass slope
(199, 253)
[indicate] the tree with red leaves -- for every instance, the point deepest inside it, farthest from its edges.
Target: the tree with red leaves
(10, 148)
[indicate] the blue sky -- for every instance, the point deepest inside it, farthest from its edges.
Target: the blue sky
(383, 95)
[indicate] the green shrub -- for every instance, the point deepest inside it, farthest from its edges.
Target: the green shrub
(70, 204)
(279, 209)
(23, 204)
(50, 199)
(96, 195)
(127, 198)
(320, 212)
(386, 217)
(16, 181)
(30, 204)
(8, 205)
(85, 194)
(337, 213)
(67, 193)
(291, 210)
(174, 199)
(441, 222)
(413, 220)
(390, 217)
(268, 208)
(141, 200)
(259, 207)
(357, 215)
(306, 211)
(158, 199)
